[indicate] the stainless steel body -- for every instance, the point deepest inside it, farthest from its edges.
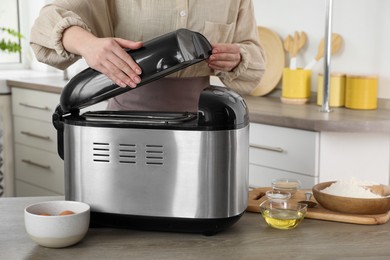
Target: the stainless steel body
(158, 172)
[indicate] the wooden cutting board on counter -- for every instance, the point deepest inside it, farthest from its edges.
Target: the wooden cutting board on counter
(257, 196)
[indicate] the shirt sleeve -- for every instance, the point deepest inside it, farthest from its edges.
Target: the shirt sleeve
(55, 18)
(247, 75)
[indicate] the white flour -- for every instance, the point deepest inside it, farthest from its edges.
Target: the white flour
(350, 188)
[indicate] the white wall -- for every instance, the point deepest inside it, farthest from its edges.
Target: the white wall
(29, 11)
(364, 25)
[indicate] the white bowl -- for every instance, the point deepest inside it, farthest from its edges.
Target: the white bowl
(54, 230)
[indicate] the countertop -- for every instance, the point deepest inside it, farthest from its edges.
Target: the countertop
(249, 238)
(271, 111)
(29, 76)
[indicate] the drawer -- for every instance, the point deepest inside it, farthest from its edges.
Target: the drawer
(260, 176)
(284, 148)
(35, 133)
(40, 168)
(34, 104)
(24, 189)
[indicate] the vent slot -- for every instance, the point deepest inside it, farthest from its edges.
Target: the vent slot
(101, 152)
(128, 153)
(154, 155)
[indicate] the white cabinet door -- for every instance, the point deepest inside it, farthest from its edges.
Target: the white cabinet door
(279, 152)
(284, 148)
(24, 189)
(364, 156)
(34, 133)
(40, 168)
(34, 104)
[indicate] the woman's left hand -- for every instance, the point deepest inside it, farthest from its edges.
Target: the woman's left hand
(224, 57)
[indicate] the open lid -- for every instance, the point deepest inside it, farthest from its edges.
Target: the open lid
(158, 57)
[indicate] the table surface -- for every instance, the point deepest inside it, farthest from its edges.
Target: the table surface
(249, 238)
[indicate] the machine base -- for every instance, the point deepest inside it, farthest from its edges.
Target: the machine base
(207, 227)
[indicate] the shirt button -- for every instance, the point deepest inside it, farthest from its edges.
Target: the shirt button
(183, 13)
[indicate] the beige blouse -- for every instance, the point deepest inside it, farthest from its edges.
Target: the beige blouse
(220, 21)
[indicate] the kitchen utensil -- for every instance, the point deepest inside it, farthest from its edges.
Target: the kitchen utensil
(48, 228)
(257, 196)
(350, 205)
(288, 44)
(282, 214)
(308, 201)
(275, 61)
(299, 41)
(157, 170)
(336, 44)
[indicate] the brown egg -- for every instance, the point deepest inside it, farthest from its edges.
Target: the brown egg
(44, 214)
(66, 212)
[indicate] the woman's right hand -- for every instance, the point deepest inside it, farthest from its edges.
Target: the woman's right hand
(105, 55)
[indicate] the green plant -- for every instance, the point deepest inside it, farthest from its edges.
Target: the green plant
(10, 46)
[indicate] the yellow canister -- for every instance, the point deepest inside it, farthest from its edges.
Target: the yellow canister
(361, 92)
(336, 89)
(296, 83)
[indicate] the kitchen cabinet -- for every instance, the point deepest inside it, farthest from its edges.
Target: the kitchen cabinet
(39, 171)
(312, 157)
(279, 152)
(38, 168)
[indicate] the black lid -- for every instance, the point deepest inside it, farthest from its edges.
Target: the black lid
(157, 58)
(219, 109)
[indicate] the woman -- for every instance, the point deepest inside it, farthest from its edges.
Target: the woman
(98, 30)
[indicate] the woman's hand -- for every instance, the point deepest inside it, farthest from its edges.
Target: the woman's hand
(105, 55)
(224, 57)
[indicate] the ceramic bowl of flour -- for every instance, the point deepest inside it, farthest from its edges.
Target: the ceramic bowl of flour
(350, 203)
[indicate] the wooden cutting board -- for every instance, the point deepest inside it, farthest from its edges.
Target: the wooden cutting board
(256, 196)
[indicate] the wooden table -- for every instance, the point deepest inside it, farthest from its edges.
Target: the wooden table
(250, 238)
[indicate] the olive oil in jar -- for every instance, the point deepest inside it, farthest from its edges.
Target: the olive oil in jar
(283, 218)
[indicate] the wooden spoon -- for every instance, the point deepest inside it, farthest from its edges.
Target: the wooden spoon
(337, 42)
(298, 43)
(288, 44)
(294, 45)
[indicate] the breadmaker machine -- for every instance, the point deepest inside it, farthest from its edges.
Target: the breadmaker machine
(165, 171)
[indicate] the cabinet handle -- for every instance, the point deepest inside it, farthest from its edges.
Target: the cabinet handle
(35, 135)
(34, 106)
(47, 167)
(268, 148)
